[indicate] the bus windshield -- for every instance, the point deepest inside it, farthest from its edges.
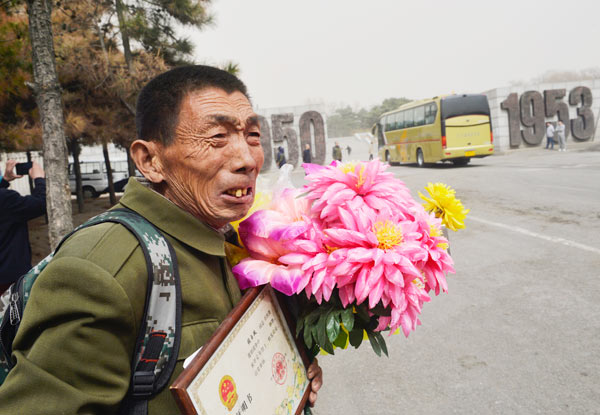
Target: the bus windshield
(456, 105)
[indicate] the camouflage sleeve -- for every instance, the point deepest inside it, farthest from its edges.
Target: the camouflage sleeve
(74, 345)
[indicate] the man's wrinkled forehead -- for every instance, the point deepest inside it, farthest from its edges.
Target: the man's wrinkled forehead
(216, 106)
(231, 121)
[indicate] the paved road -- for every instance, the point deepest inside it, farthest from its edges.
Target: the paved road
(519, 330)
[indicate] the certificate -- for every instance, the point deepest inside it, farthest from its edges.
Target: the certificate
(251, 365)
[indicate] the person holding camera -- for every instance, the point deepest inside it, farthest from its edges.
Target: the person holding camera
(15, 211)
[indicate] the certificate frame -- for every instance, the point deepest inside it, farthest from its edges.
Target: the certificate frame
(242, 314)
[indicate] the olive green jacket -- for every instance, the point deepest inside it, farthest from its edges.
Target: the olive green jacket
(77, 336)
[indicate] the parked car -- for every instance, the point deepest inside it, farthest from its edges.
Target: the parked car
(94, 180)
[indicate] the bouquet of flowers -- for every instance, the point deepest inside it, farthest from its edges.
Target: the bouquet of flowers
(358, 252)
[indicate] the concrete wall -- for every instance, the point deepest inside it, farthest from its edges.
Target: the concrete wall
(500, 121)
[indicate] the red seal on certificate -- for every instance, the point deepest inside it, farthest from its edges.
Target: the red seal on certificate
(227, 392)
(279, 368)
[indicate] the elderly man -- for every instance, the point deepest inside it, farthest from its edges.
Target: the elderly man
(199, 151)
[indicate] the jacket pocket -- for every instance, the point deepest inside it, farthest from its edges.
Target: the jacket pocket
(194, 335)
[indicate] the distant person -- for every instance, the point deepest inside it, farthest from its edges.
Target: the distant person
(349, 150)
(549, 136)
(15, 211)
(280, 157)
(306, 155)
(336, 152)
(560, 132)
(370, 154)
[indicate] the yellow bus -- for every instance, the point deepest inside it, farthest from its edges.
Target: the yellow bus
(452, 128)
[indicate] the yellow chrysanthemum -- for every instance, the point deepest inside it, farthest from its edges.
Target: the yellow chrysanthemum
(443, 202)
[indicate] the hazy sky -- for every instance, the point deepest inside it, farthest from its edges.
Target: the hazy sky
(360, 52)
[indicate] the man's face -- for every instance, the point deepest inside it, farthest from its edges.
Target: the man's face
(211, 167)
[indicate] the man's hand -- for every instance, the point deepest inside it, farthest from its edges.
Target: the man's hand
(9, 171)
(36, 171)
(315, 375)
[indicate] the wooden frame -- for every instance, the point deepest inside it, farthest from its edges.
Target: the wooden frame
(180, 387)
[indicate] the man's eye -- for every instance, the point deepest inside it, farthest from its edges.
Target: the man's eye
(253, 138)
(219, 135)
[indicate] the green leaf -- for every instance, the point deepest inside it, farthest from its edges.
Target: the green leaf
(313, 316)
(362, 312)
(314, 331)
(333, 326)
(307, 338)
(356, 337)
(314, 351)
(322, 331)
(299, 326)
(341, 340)
(382, 344)
(328, 347)
(348, 319)
(374, 344)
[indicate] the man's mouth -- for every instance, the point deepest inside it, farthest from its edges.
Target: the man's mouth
(239, 192)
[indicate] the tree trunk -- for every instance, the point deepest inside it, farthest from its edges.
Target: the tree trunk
(49, 102)
(130, 164)
(111, 186)
(77, 171)
(124, 36)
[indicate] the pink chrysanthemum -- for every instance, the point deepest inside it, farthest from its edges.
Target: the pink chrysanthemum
(367, 184)
(374, 257)
(268, 235)
(355, 229)
(438, 262)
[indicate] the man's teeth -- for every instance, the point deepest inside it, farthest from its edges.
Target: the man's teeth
(238, 192)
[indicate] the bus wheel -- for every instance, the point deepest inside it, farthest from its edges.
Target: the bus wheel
(420, 158)
(461, 162)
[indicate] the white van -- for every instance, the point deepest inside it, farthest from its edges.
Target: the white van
(94, 180)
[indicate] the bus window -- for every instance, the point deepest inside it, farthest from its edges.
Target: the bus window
(456, 105)
(420, 115)
(409, 120)
(400, 120)
(389, 122)
(396, 126)
(430, 112)
(433, 106)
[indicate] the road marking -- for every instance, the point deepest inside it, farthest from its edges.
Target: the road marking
(523, 231)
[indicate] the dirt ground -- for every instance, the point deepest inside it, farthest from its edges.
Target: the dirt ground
(38, 228)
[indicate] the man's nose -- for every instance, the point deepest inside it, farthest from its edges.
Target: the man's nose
(241, 155)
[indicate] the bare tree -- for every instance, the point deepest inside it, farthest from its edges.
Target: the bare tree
(49, 101)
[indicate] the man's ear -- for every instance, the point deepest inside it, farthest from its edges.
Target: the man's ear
(145, 155)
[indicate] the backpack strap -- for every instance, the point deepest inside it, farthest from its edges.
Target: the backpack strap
(157, 344)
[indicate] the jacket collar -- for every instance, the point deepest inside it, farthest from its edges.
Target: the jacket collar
(171, 219)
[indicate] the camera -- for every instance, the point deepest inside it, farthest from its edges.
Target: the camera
(23, 168)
